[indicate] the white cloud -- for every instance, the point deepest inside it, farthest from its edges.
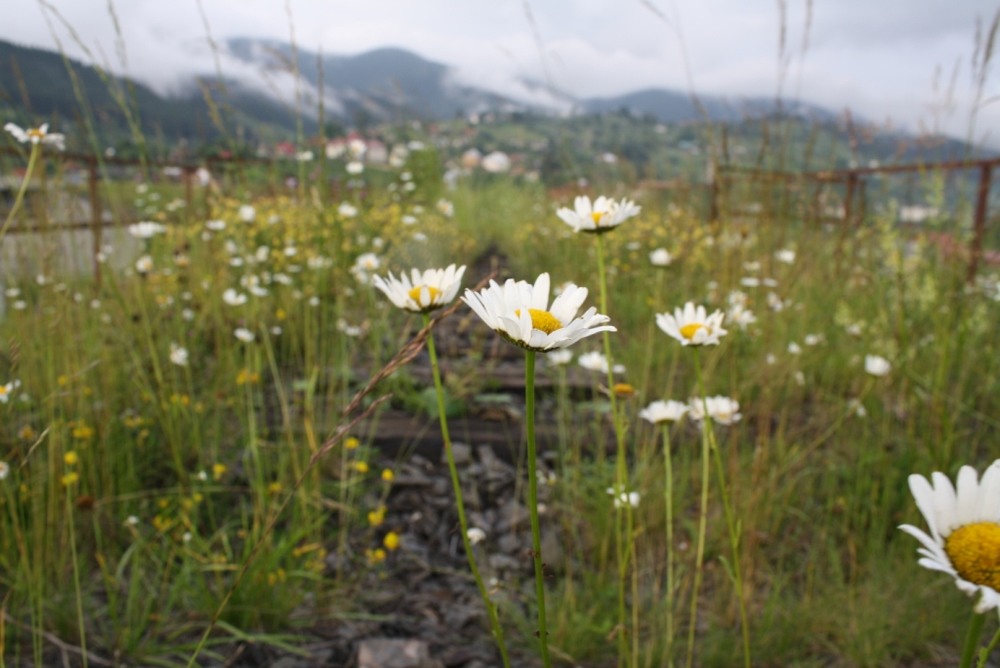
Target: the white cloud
(878, 57)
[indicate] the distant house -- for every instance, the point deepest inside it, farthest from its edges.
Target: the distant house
(471, 158)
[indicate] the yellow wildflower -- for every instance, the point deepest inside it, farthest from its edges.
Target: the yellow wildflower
(391, 541)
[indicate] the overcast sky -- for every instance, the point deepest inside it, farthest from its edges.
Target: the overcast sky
(887, 60)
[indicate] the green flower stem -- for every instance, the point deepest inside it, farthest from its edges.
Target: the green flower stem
(972, 639)
(76, 579)
(734, 542)
(984, 654)
(36, 149)
(734, 534)
(623, 533)
(699, 558)
(536, 534)
(491, 608)
(668, 497)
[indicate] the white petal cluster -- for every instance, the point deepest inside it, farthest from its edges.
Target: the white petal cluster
(601, 215)
(39, 135)
(422, 291)
(515, 308)
(178, 354)
(664, 411)
(723, 410)
(596, 361)
(947, 508)
(660, 257)
(877, 365)
(624, 498)
(692, 325)
(146, 229)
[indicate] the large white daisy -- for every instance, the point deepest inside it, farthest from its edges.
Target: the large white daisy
(964, 523)
(603, 215)
(692, 325)
(422, 291)
(520, 312)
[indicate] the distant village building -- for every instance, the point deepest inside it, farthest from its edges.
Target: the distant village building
(471, 158)
(917, 214)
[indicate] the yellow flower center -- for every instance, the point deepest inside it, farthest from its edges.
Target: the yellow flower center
(35, 133)
(597, 215)
(432, 292)
(542, 320)
(974, 550)
(688, 331)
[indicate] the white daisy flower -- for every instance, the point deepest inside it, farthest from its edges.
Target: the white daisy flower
(964, 523)
(178, 354)
(39, 135)
(603, 215)
(623, 498)
(146, 229)
(660, 257)
(247, 213)
(596, 361)
(244, 335)
(475, 535)
(786, 255)
(7, 390)
(520, 312)
(4, 470)
(422, 291)
(664, 411)
(347, 210)
(560, 357)
(144, 264)
(723, 410)
(692, 326)
(234, 298)
(877, 365)
(741, 316)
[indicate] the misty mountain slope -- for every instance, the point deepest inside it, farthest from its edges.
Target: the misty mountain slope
(387, 83)
(38, 84)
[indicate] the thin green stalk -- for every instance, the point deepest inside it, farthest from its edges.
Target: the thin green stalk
(984, 653)
(668, 497)
(623, 539)
(702, 521)
(536, 535)
(456, 484)
(76, 580)
(972, 639)
(32, 159)
(734, 541)
(708, 434)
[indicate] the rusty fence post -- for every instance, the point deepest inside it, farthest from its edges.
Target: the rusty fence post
(96, 216)
(979, 220)
(852, 186)
(713, 176)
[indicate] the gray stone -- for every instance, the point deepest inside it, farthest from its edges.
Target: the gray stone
(462, 453)
(394, 653)
(509, 543)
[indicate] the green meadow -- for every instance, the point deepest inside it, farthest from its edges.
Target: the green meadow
(190, 412)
